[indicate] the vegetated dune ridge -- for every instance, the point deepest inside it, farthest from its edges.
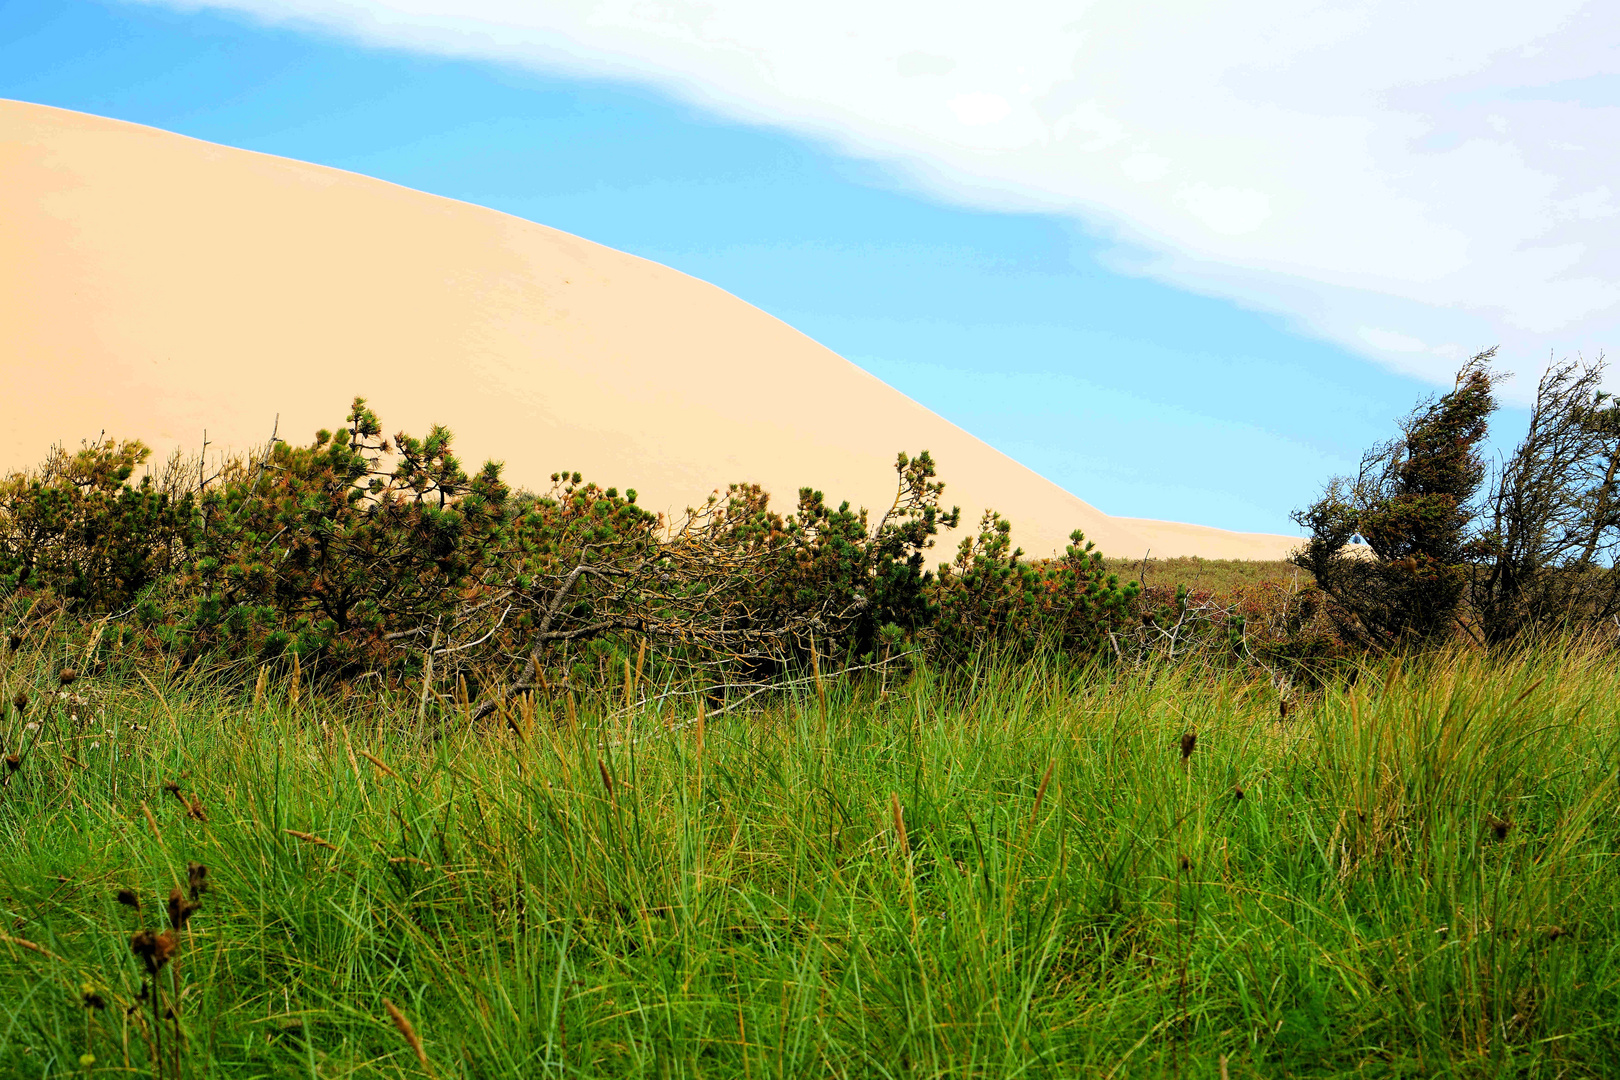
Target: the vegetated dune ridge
(155, 286)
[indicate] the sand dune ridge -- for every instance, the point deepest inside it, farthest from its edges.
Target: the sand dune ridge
(157, 287)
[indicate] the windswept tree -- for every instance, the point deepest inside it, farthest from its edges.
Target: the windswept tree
(1547, 552)
(1412, 501)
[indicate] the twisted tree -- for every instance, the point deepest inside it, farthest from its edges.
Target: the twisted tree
(1412, 501)
(1547, 551)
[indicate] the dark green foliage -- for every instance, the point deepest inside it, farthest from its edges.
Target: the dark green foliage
(900, 584)
(1547, 551)
(79, 529)
(1535, 556)
(1413, 504)
(989, 596)
(861, 588)
(356, 554)
(322, 551)
(870, 592)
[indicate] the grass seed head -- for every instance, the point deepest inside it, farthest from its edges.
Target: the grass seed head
(404, 1026)
(67, 676)
(13, 762)
(1500, 827)
(1189, 742)
(180, 908)
(20, 702)
(155, 949)
(1041, 794)
(90, 997)
(197, 878)
(128, 898)
(899, 816)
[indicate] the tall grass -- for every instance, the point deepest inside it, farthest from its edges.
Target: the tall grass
(1026, 872)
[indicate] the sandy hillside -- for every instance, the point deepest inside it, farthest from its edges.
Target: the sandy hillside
(155, 286)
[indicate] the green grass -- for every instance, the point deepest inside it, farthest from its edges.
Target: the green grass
(554, 908)
(1219, 576)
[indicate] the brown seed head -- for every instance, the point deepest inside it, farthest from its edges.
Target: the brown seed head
(13, 762)
(197, 878)
(1189, 742)
(180, 908)
(20, 702)
(1555, 932)
(166, 947)
(91, 998)
(607, 777)
(128, 898)
(1237, 793)
(405, 1029)
(1282, 708)
(1041, 793)
(15, 642)
(155, 949)
(1499, 827)
(66, 676)
(1186, 864)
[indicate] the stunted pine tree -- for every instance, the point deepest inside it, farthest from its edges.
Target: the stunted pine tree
(1412, 501)
(80, 527)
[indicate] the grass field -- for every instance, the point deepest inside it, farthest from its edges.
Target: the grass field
(1018, 875)
(1221, 576)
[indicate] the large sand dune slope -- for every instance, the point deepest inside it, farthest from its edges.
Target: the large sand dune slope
(158, 287)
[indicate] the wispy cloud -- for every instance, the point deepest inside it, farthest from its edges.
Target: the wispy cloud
(1410, 178)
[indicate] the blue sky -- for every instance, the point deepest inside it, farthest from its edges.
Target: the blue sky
(1148, 393)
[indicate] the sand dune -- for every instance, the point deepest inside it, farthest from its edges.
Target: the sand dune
(156, 286)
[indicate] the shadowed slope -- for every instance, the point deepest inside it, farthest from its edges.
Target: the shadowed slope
(157, 286)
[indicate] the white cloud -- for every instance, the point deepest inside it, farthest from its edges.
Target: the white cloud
(1228, 211)
(1392, 341)
(1145, 167)
(1399, 164)
(914, 63)
(976, 110)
